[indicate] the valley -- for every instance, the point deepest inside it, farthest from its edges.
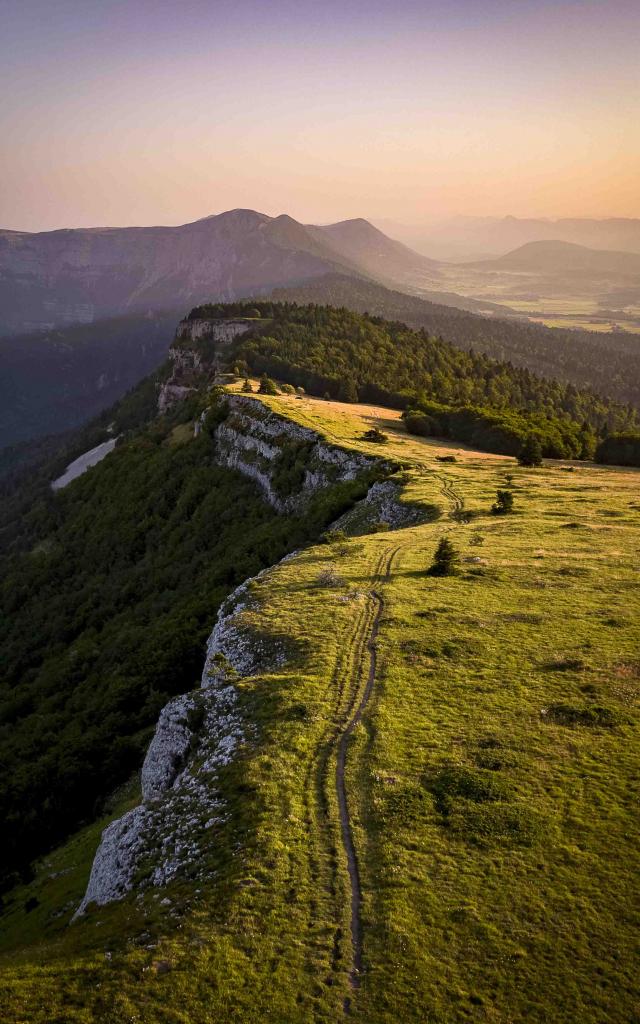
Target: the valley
(557, 284)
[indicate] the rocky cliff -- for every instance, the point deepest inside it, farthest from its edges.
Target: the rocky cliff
(182, 804)
(189, 365)
(201, 732)
(289, 462)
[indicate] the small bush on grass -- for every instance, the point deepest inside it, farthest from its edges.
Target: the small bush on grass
(375, 435)
(503, 504)
(333, 537)
(446, 458)
(330, 578)
(445, 560)
(380, 526)
(267, 386)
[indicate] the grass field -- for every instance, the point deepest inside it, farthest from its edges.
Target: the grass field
(491, 784)
(587, 324)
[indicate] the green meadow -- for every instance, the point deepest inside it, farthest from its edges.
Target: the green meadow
(491, 782)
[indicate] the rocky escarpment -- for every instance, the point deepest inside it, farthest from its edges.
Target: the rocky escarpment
(188, 360)
(201, 732)
(288, 461)
(223, 332)
(197, 734)
(382, 508)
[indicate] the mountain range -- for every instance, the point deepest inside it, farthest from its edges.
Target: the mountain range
(468, 238)
(71, 276)
(84, 314)
(78, 276)
(57, 278)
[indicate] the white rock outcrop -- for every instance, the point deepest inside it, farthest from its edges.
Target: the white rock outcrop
(197, 735)
(383, 504)
(223, 331)
(253, 437)
(83, 463)
(170, 393)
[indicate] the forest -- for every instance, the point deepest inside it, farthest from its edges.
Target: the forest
(355, 357)
(608, 362)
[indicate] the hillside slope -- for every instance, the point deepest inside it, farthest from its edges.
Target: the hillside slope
(53, 381)
(560, 257)
(108, 588)
(430, 813)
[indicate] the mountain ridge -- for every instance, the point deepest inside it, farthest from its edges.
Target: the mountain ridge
(72, 275)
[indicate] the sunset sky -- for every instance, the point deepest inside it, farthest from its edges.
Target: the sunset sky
(151, 111)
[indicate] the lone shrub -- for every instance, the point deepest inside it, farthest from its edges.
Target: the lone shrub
(267, 386)
(246, 387)
(330, 578)
(503, 504)
(446, 458)
(333, 537)
(445, 560)
(375, 435)
(531, 452)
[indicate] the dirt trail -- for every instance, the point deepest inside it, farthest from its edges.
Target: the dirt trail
(370, 634)
(456, 502)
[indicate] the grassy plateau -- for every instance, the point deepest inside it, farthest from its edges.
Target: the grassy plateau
(491, 780)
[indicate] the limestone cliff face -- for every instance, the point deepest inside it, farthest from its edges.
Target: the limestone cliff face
(188, 363)
(197, 734)
(288, 461)
(200, 732)
(222, 331)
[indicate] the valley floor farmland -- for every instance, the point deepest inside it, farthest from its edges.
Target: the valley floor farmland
(489, 783)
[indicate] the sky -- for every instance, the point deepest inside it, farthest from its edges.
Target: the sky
(156, 112)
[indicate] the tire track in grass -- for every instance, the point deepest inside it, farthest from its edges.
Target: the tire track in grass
(358, 707)
(322, 824)
(454, 499)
